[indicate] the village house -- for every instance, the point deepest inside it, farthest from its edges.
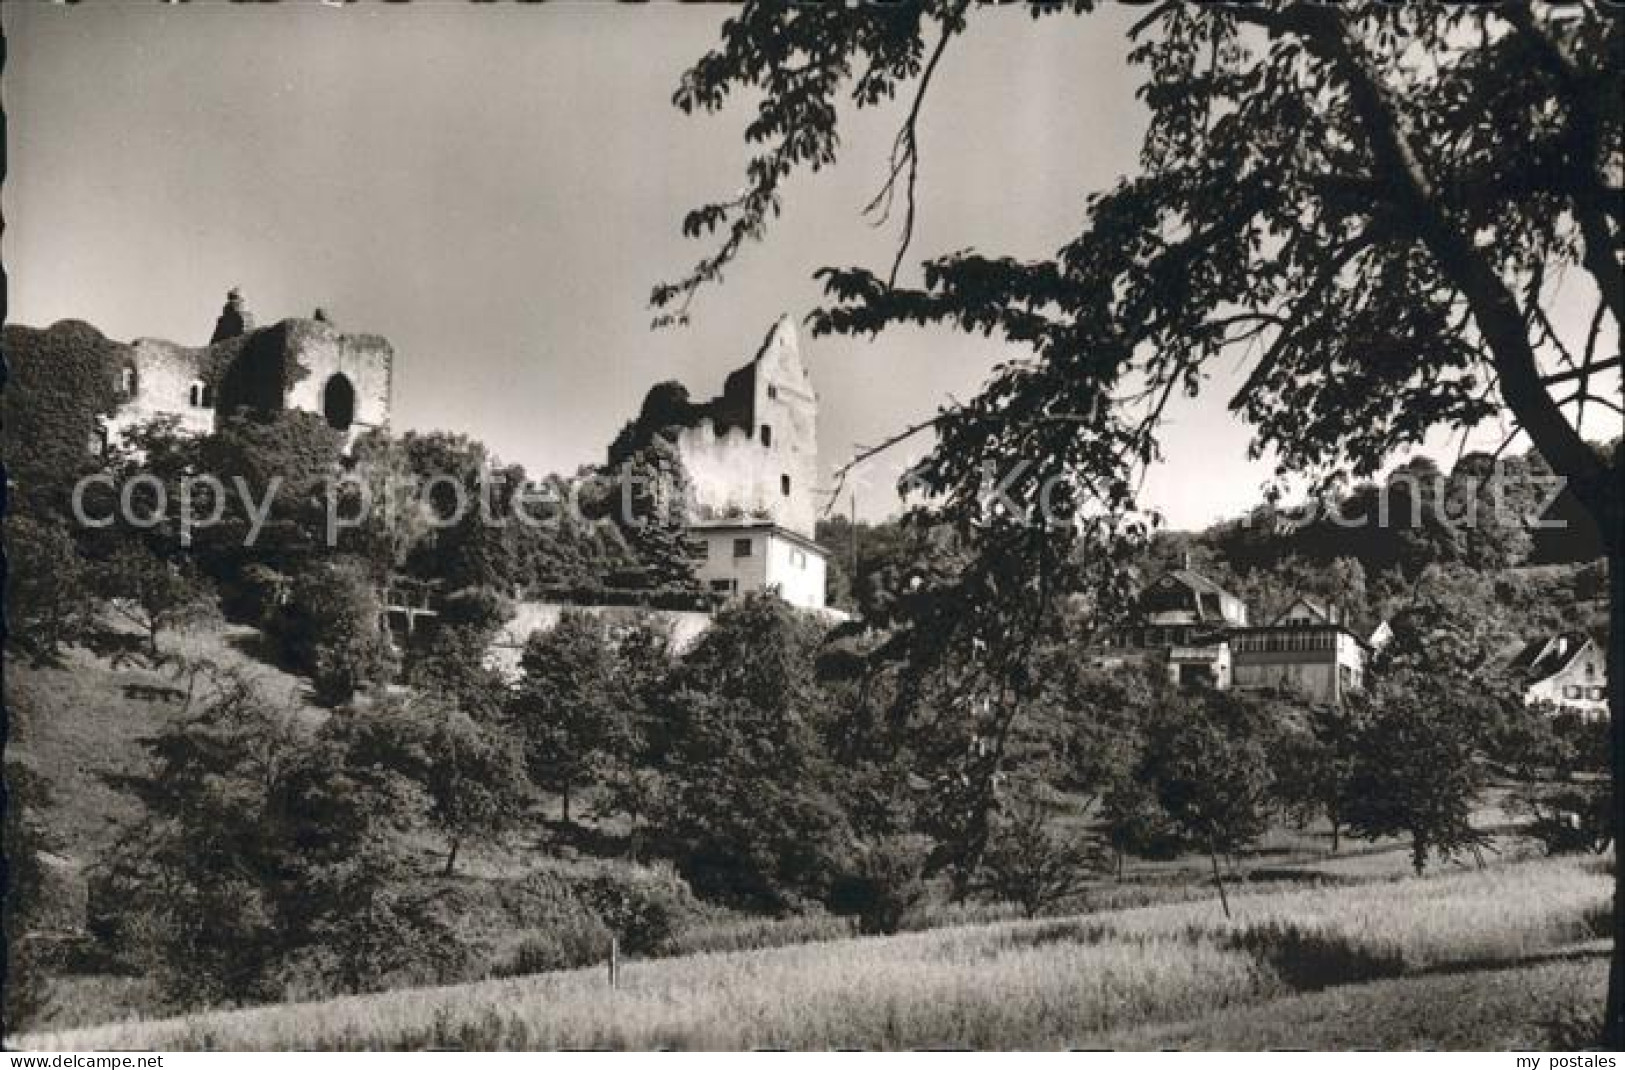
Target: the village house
(1202, 635)
(1567, 670)
(1309, 649)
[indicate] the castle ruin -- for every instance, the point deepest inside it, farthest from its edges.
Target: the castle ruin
(750, 456)
(297, 363)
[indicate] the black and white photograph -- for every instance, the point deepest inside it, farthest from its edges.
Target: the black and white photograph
(813, 526)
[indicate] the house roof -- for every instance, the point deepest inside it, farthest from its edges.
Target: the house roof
(1197, 582)
(1317, 608)
(1549, 655)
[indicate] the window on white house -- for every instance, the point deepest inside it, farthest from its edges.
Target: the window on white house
(1598, 693)
(1573, 691)
(784, 485)
(772, 391)
(722, 586)
(742, 548)
(767, 435)
(127, 382)
(702, 550)
(200, 394)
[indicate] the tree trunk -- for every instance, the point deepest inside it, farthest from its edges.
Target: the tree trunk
(1337, 834)
(1224, 900)
(564, 793)
(451, 859)
(1613, 1038)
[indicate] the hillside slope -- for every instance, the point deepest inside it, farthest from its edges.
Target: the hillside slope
(1044, 984)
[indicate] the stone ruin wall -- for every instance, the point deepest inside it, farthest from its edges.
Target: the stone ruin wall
(165, 373)
(735, 474)
(287, 365)
(366, 360)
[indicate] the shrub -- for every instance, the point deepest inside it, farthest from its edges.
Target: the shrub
(331, 628)
(644, 909)
(884, 883)
(1031, 864)
(573, 941)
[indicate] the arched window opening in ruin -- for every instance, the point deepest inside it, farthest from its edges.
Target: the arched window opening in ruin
(338, 403)
(200, 394)
(767, 435)
(784, 485)
(127, 382)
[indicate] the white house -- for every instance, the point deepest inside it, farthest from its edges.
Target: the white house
(739, 557)
(1568, 670)
(1309, 649)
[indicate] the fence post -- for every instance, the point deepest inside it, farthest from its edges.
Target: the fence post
(614, 962)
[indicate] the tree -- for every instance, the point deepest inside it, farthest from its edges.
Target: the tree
(385, 520)
(282, 462)
(267, 867)
(1417, 771)
(1108, 712)
(568, 704)
(882, 881)
(154, 594)
(470, 773)
(751, 813)
(1314, 764)
(1031, 863)
(332, 628)
(61, 383)
(632, 783)
(187, 895)
(1563, 774)
(27, 898)
(646, 494)
(1206, 763)
(1319, 193)
(48, 594)
(448, 655)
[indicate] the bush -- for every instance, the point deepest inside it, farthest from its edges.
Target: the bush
(574, 941)
(883, 884)
(331, 628)
(560, 930)
(644, 909)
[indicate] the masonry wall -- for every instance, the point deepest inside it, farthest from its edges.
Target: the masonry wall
(366, 361)
(288, 365)
(164, 375)
(764, 463)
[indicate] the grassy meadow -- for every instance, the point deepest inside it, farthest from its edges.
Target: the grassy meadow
(1176, 974)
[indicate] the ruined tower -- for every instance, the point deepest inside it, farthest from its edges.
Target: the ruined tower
(750, 456)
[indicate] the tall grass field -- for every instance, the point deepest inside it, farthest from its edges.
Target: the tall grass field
(1052, 983)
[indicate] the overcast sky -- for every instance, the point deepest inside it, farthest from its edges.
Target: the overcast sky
(496, 189)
